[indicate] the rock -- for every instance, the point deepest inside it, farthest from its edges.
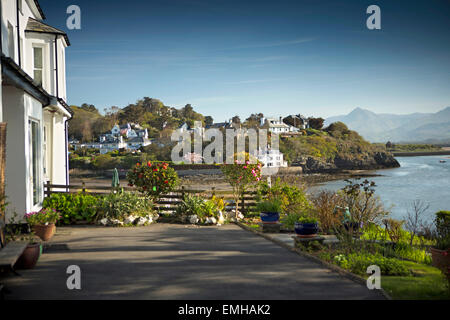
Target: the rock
(240, 216)
(211, 220)
(221, 218)
(104, 221)
(155, 217)
(116, 222)
(141, 221)
(193, 219)
(130, 219)
(149, 219)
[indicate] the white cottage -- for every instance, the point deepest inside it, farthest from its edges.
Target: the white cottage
(33, 104)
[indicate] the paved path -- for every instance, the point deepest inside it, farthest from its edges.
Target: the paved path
(165, 261)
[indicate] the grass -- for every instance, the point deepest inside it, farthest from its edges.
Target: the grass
(427, 283)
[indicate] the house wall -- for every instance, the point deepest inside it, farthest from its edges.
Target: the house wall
(19, 107)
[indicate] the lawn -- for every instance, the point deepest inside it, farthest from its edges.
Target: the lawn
(427, 283)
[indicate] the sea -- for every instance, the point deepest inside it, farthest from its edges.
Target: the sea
(426, 178)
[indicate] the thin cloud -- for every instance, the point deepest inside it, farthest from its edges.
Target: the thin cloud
(275, 44)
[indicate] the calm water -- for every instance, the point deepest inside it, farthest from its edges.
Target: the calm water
(422, 178)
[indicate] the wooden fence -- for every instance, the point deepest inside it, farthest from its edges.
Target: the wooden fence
(167, 203)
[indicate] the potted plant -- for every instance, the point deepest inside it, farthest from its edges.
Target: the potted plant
(31, 254)
(269, 211)
(307, 227)
(440, 253)
(43, 222)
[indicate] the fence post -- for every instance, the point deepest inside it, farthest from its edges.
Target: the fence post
(84, 187)
(243, 203)
(182, 192)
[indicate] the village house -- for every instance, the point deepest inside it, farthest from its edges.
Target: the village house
(33, 104)
(278, 126)
(271, 158)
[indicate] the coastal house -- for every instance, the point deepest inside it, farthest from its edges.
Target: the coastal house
(33, 104)
(271, 158)
(297, 121)
(278, 126)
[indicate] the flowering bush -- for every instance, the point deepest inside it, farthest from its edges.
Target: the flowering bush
(43, 217)
(242, 175)
(153, 179)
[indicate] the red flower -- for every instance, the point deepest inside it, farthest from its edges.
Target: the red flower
(166, 182)
(149, 164)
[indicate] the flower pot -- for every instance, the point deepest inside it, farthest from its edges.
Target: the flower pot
(29, 257)
(306, 230)
(441, 259)
(270, 217)
(45, 232)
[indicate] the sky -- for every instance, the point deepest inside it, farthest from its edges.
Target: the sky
(228, 57)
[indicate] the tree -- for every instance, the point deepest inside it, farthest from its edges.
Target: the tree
(414, 217)
(209, 121)
(236, 120)
(316, 123)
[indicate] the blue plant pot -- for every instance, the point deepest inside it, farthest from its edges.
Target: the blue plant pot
(306, 229)
(270, 217)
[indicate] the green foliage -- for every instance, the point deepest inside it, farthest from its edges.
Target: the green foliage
(442, 222)
(359, 262)
(43, 217)
(293, 199)
(73, 207)
(307, 220)
(153, 179)
(195, 205)
(273, 205)
(120, 205)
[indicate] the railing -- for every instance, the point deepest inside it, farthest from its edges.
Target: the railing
(167, 203)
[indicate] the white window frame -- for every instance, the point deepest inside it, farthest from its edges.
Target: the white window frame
(44, 63)
(35, 205)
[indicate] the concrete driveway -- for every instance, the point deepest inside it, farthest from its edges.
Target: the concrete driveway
(166, 261)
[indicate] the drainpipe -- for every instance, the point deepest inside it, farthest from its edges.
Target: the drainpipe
(67, 151)
(56, 66)
(18, 33)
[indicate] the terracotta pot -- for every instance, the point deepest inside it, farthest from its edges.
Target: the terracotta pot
(29, 257)
(45, 232)
(441, 259)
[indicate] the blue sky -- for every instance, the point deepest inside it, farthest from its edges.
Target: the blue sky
(276, 57)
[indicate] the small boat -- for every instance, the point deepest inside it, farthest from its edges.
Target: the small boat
(442, 161)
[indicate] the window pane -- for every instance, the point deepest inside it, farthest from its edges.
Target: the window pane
(38, 58)
(35, 161)
(38, 76)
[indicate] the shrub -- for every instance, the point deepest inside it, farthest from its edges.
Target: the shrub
(194, 205)
(120, 205)
(394, 229)
(358, 263)
(241, 176)
(73, 207)
(153, 179)
(442, 222)
(325, 203)
(293, 199)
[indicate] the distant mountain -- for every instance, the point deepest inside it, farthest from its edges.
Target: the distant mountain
(415, 127)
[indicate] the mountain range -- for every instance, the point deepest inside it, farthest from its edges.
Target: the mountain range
(411, 128)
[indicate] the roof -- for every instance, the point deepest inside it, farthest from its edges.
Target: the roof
(138, 140)
(34, 25)
(33, 85)
(38, 6)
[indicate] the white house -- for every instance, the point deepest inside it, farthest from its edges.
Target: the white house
(278, 126)
(271, 158)
(33, 104)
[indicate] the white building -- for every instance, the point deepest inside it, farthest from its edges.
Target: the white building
(271, 158)
(278, 126)
(33, 95)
